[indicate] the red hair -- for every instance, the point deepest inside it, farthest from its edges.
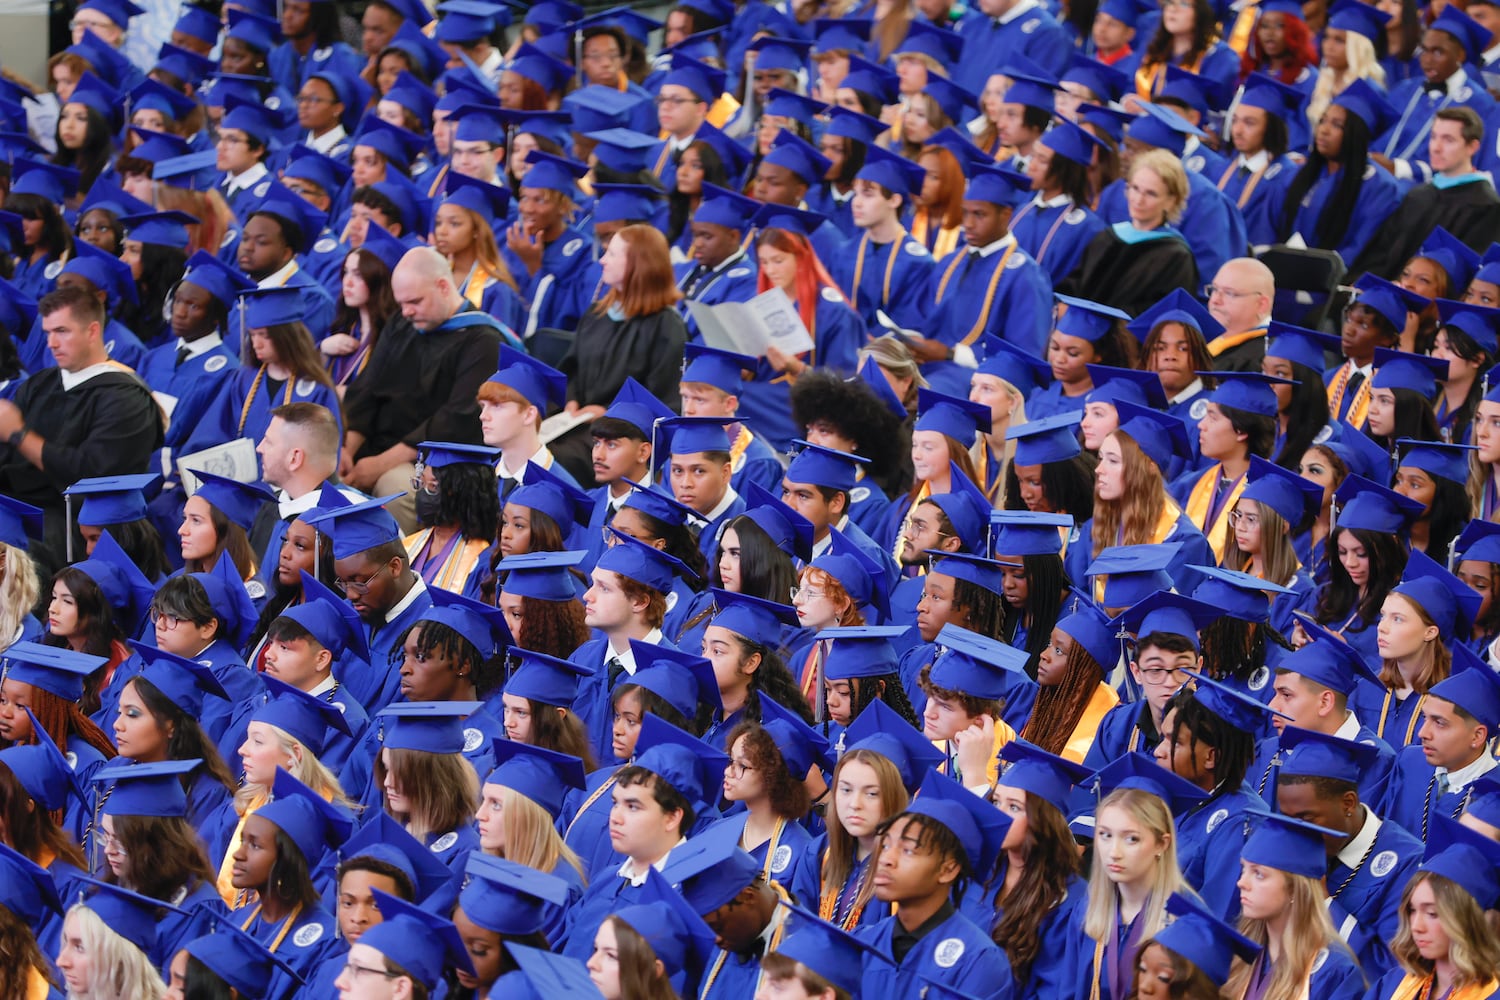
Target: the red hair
(812, 276)
(1300, 50)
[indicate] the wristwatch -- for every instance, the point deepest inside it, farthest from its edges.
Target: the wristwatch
(19, 436)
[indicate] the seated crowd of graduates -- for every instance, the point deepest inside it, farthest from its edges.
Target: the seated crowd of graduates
(1061, 626)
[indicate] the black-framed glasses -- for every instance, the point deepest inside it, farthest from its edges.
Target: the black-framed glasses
(354, 971)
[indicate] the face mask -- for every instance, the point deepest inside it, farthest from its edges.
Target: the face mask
(427, 508)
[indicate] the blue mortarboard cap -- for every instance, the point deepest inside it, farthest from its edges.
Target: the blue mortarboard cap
(1159, 435)
(1239, 710)
(545, 679)
(1465, 857)
(1451, 254)
(1141, 771)
(1306, 753)
(880, 729)
(725, 208)
(789, 104)
(1368, 506)
(1365, 100)
(241, 961)
(1473, 687)
(441, 454)
(1030, 85)
(543, 776)
(957, 418)
(1088, 320)
(106, 194)
(543, 490)
(927, 39)
(414, 208)
(718, 368)
(1071, 142)
(251, 117)
(967, 507)
(26, 888)
(691, 435)
(541, 975)
(1474, 37)
(1090, 627)
(635, 25)
(1270, 95)
(645, 564)
(421, 942)
(464, 22)
(1327, 661)
(183, 681)
(386, 248)
(1478, 323)
(1190, 89)
(597, 108)
(104, 271)
(858, 651)
(56, 669)
(509, 898)
(681, 679)
(711, 869)
(860, 575)
(198, 22)
(1047, 775)
(720, 12)
(207, 272)
(185, 65)
(787, 529)
(1436, 458)
(1142, 388)
(537, 65)
(821, 466)
(1398, 370)
(1363, 19)
(625, 202)
(1288, 494)
(636, 405)
(165, 229)
(705, 82)
(1252, 392)
(977, 824)
(680, 759)
(871, 374)
(1051, 439)
(260, 33)
(52, 182)
(240, 502)
(1133, 572)
(1484, 805)
(546, 576)
(268, 307)
(956, 102)
(190, 172)
(677, 935)
(304, 716)
(281, 202)
(831, 952)
(1480, 540)
(986, 573)
(1295, 344)
(1203, 939)
(385, 839)
(144, 789)
(358, 527)
(866, 77)
(92, 92)
(1161, 127)
(553, 173)
(111, 499)
(1448, 601)
(849, 34)
(398, 145)
(330, 619)
(800, 745)
(975, 664)
(1169, 614)
(796, 154)
(894, 173)
(754, 618)
(1111, 120)
(482, 626)
(1005, 361)
(1105, 82)
(129, 914)
(19, 521)
(1028, 532)
(118, 11)
(428, 726)
(17, 311)
(772, 53)
(42, 769)
(104, 59)
(1289, 7)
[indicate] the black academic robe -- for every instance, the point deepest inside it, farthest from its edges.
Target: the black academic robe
(1132, 276)
(423, 386)
(1469, 211)
(646, 348)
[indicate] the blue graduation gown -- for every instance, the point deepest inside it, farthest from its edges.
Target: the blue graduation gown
(379, 686)
(989, 44)
(1211, 223)
(84, 760)
(592, 704)
(1019, 308)
(1395, 720)
(1050, 401)
(1054, 233)
(325, 262)
(892, 278)
(1412, 798)
(338, 59)
(734, 280)
(765, 405)
(555, 291)
(303, 946)
(1406, 138)
(187, 381)
(174, 930)
(753, 460)
(1304, 597)
(237, 679)
(122, 345)
(1379, 196)
(243, 407)
(1201, 159)
(1018, 698)
(607, 893)
(1258, 196)
(837, 209)
(867, 505)
(1053, 972)
(36, 279)
(1371, 895)
(956, 953)
(1209, 841)
(1193, 549)
(585, 823)
(1372, 783)
(708, 537)
(794, 866)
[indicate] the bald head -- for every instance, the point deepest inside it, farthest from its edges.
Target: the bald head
(1244, 289)
(424, 288)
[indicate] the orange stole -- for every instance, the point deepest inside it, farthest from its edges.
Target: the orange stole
(1083, 734)
(1164, 527)
(1198, 504)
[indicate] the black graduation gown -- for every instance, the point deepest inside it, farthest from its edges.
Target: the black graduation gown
(1131, 276)
(1469, 211)
(646, 348)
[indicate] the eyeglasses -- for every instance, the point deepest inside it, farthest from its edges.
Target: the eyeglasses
(738, 768)
(674, 101)
(79, 23)
(313, 99)
(111, 843)
(168, 622)
(418, 486)
(1157, 674)
(921, 527)
(1209, 291)
(360, 586)
(353, 971)
(807, 594)
(1249, 520)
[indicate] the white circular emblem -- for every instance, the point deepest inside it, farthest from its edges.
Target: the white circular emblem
(739, 272)
(444, 842)
(1465, 94)
(1272, 170)
(323, 53)
(1195, 164)
(52, 270)
(307, 935)
(1320, 958)
(1017, 259)
(1382, 863)
(229, 238)
(948, 952)
(781, 858)
(1219, 816)
(1259, 678)
(255, 589)
(206, 663)
(472, 739)
(1030, 26)
(1324, 433)
(572, 247)
(340, 706)
(916, 249)
(325, 245)
(273, 102)
(305, 387)
(832, 295)
(1074, 216)
(262, 188)
(72, 759)
(109, 348)
(859, 494)
(1369, 171)
(214, 363)
(1198, 409)
(671, 599)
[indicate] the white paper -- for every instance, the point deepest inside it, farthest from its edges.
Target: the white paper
(233, 460)
(750, 327)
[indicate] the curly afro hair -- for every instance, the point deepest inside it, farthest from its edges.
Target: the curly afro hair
(852, 407)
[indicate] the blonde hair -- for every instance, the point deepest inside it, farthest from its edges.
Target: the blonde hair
(118, 969)
(531, 836)
(1363, 64)
(1132, 519)
(1473, 944)
(1173, 177)
(441, 788)
(1308, 932)
(838, 862)
(1102, 906)
(1277, 557)
(304, 766)
(19, 589)
(895, 357)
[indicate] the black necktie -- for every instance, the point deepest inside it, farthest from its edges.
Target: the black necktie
(694, 276)
(182, 355)
(1355, 381)
(974, 256)
(1244, 170)
(1437, 91)
(616, 668)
